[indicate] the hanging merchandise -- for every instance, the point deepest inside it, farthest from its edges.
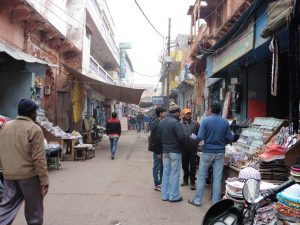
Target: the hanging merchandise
(274, 47)
(294, 70)
(78, 101)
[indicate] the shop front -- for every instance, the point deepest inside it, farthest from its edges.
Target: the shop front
(21, 77)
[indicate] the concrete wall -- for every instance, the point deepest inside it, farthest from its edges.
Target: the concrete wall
(13, 87)
(11, 32)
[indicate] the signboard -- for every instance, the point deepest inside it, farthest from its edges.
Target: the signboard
(123, 47)
(235, 50)
(124, 123)
(159, 100)
(122, 63)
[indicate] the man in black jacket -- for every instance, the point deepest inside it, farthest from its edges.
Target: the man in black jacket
(156, 147)
(189, 154)
(113, 131)
(172, 137)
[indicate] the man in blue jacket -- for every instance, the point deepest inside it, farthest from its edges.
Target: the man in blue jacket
(216, 133)
(171, 136)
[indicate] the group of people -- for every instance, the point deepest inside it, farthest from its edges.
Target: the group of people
(140, 122)
(174, 142)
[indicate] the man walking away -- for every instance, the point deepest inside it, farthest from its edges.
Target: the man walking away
(189, 154)
(156, 148)
(113, 130)
(23, 160)
(139, 122)
(216, 133)
(171, 136)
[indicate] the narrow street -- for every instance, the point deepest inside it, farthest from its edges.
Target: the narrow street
(105, 192)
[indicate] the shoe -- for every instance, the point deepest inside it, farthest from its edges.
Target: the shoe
(184, 183)
(192, 187)
(192, 203)
(157, 188)
(272, 153)
(112, 157)
(177, 200)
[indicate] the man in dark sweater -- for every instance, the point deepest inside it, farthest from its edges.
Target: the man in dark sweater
(156, 147)
(171, 136)
(216, 133)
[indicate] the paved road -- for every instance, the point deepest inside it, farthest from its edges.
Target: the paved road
(102, 191)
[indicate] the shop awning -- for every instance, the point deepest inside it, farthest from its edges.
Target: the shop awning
(18, 54)
(119, 93)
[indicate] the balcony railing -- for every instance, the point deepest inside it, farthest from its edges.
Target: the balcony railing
(103, 26)
(98, 70)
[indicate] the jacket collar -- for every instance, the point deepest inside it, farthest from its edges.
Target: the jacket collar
(172, 116)
(24, 118)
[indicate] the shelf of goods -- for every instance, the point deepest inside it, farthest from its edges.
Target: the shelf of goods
(243, 152)
(54, 134)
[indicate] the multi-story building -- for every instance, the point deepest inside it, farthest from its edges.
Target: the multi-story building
(230, 50)
(72, 57)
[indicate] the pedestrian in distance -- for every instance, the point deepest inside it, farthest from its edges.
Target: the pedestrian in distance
(24, 164)
(216, 133)
(156, 147)
(189, 154)
(171, 135)
(96, 113)
(113, 131)
(139, 122)
(146, 122)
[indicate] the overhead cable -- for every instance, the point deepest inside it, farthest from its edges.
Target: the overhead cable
(148, 19)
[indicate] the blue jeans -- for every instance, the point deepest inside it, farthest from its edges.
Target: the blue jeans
(113, 145)
(171, 176)
(217, 162)
(157, 170)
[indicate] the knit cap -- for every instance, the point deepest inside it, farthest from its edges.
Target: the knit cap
(26, 107)
(174, 107)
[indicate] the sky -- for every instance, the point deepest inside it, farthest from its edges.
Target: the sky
(147, 46)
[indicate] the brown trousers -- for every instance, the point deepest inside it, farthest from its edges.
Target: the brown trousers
(17, 191)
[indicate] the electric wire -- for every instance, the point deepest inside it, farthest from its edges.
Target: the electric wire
(148, 19)
(146, 75)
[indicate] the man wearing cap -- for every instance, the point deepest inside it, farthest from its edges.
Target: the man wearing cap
(189, 154)
(171, 136)
(216, 133)
(23, 160)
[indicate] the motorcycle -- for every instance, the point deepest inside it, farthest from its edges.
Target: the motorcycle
(97, 133)
(225, 212)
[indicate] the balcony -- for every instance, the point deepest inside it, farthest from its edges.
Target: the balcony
(103, 36)
(100, 72)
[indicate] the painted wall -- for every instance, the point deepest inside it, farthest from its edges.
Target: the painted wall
(13, 87)
(11, 32)
(257, 91)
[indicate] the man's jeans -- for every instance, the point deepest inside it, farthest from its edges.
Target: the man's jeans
(171, 176)
(217, 162)
(113, 145)
(157, 170)
(139, 126)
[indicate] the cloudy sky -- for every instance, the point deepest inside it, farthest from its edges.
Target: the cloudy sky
(131, 26)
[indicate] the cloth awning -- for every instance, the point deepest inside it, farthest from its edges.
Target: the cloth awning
(19, 54)
(119, 93)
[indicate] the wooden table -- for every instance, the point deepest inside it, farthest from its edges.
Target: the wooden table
(68, 145)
